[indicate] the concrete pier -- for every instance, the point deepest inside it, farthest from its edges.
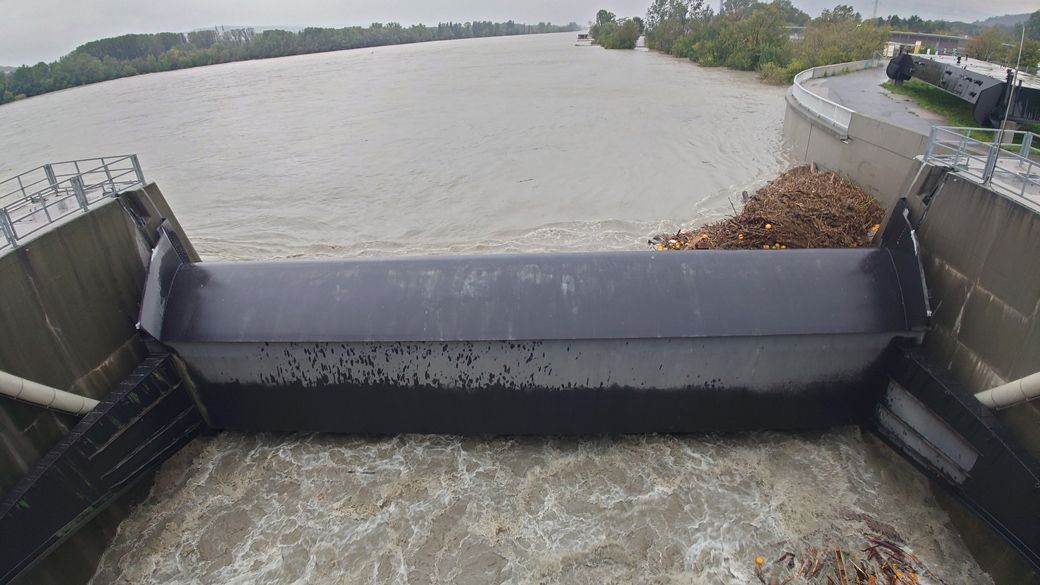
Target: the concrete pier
(68, 315)
(980, 247)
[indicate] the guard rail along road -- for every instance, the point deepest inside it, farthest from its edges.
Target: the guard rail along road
(35, 199)
(831, 113)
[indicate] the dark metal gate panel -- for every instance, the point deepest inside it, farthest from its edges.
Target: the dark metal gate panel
(135, 428)
(940, 426)
(539, 296)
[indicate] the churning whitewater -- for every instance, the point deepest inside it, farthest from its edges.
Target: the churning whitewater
(241, 509)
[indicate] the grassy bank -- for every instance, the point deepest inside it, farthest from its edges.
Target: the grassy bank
(956, 111)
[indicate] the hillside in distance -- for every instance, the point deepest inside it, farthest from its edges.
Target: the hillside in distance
(1005, 20)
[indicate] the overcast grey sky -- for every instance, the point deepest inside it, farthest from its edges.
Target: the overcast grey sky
(43, 30)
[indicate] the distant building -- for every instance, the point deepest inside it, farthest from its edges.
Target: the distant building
(936, 44)
(926, 43)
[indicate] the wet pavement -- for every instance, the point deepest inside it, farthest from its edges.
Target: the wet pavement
(862, 92)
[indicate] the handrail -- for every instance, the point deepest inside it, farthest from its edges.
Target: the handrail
(832, 113)
(1004, 160)
(48, 193)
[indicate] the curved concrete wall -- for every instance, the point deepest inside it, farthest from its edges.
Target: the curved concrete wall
(876, 155)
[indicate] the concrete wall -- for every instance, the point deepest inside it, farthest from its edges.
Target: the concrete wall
(876, 155)
(842, 68)
(67, 319)
(981, 256)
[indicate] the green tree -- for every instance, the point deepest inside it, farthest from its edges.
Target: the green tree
(791, 14)
(987, 46)
(616, 34)
(604, 17)
(668, 21)
(202, 39)
(5, 92)
(738, 7)
(627, 35)
(839, 41)
(1030, 53)
(1033, 26)
(840, 13)
(751, 35)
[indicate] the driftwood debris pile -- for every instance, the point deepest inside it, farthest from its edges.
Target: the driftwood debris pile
(802, 208)
(881, 562)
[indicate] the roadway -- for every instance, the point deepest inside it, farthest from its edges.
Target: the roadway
(861, 91)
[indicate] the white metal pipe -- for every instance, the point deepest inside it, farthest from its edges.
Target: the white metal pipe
(45, 396)
(1012, 393)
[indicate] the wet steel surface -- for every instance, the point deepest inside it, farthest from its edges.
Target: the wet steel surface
(540, 387)
(491, 344)
(612, 295)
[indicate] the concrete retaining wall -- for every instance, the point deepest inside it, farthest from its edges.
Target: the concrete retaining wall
(981, 256)
(842, 68)
(67, 319)
(876, 155)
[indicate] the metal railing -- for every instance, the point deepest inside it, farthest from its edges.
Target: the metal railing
(1008, 160)
(35, 199)
(832, 113)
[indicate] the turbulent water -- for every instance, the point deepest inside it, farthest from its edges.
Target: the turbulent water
(491, 145)
(244, 509)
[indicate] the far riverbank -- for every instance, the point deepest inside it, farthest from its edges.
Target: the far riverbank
(136, 54)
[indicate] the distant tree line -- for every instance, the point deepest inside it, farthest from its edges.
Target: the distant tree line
(956, 28)
(1000, 44)
(917, 24)
(136, 54)
(997, 43)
